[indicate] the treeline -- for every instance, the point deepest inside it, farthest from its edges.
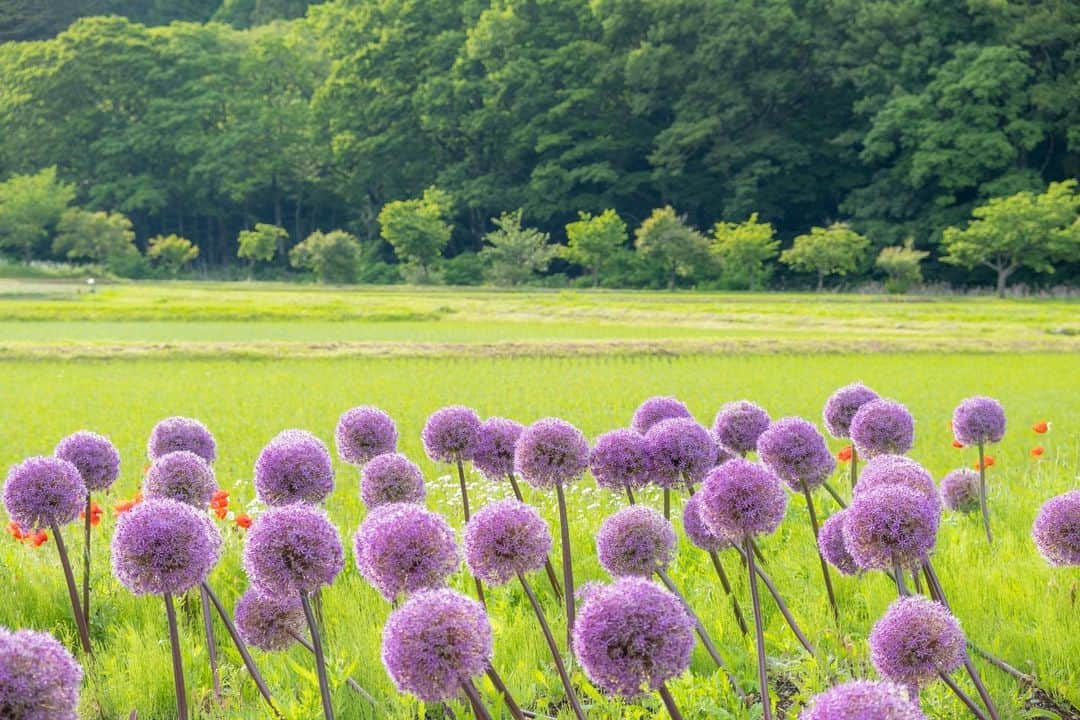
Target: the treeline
(894, 118)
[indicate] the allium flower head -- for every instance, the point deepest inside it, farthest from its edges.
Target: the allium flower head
(742, 498)
(364, 432)
(96, 458)
(494, 453)
(979, 420)
(181, 433)
(863, 700)
(451, 434)
(551, 452)
(960, 490)
(294, 467)
(679, 448)
(891, 525)
(635, 541)
(832, 545)
(292, 549)
(435, 640)
(738, 425)
(618, 460)
(656, 409)
(506, 538)
(632, 636)
(796, 452)
(842, 405)
(1057, 529)
(181, 476)
(696, 529)
(391, 478)
(916, 639)
(164, 546)
(267, 622)
(882, 470)
(39, 679)
(882, 426)
(403, 548)
(42, 491)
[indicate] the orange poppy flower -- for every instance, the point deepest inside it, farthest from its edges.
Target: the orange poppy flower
(988, 461)
(16, 531)
(220, 495)
(39, 538)
(957, 444)
(1041, 427)
(845, 454)
(95, 514)
(219, 503)
(243, 520)
(221, 512)
(1037, 451)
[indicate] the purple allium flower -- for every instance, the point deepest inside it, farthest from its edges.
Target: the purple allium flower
(181, 433)
(391, 478)
(742, 498)
(842, 405)
(979, 420)
(696, 529)
(960, 490)
(551, 452)
(891, 525)
(96, 458)
(294, 467)
(39, 679)
(794, 449)
(916, 639)
(633, 635)
(182, 476)
(269, 623)
(434, 641)
(832, 545)
(292, 549)
(679, 448)
(42, 491)
(403, 548)
(451, 434)
(635, 541)
(882, 426)
(738, 425)
(656, 409)
(863, 700)
(618, 460)
(364, 432)
(494, 453)
(164, 546)
(1057, 529)
(506, 538)
(882, 470)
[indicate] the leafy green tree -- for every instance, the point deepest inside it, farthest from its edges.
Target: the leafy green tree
(171, 252)
(331, 256)
(30, 207)
(514, 254)
(743, 249)
(261, 243)
(835, 250)
(901, 265)
(594, 239)
(94, 236)
(664, 238)
(1021, 230)
(465, 268)
(417, 229)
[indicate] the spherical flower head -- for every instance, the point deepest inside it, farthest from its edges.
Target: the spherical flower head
(741, 498)
(832, 545)
(796, 452)
(979, 420)
(551, 452)
(181, 476)
(391, 478)
(618, 460)
(267, 622)
(960, 490)
(882, 426)
(96, 458)
(43, 491)
(434, 641)
(632, 636)
(738, 425)
(450, 434)
(882, 470)
(363, 433)
(696, 529)
(916, 639)
(506, 538)
(39, 679)
(1057, 529)
(635, 541)
(863, 700)
(294, 467)
(842, 405)
(403, 548)
(164, 546)
(494, 453)
(679, 450)
(180, 433)
(292, 549)
(892, 525)
(656, 409)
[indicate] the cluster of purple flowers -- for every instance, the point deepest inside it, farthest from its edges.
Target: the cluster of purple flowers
(504, 539)
(551, 452)
(741, 498)
(915, 640)
(96, 458)
(863, 700)
(294, 467)
(886, 470)
(960, 490)
(679, 450)
(796, 452)
(363, 433)
(656, 409)
(891, 526)
(1057, 529)
(738, 425)
(391, 478)
(494, 453)
(635, 541)
(403, 548)
(267, 622)
(180, 433)
(618, 460)
(979, 420)
(451, 434)
(882, 427)
(292, 549)
(182, 476)
(43, 491)
(842, 405)
(39, 679)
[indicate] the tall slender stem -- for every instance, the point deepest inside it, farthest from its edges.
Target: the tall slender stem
(964, 697)
(821, 558)
(781, 605)
(548, 567)
(983, 505)
(630, 495)
(320, 657)
(759, 634)
(86, 560)
(73, 592)
(915, 577)
(177, 660)
(757, 551)
(568, 567)
(667, 504)
(571, 696)
(511, 703)
(465, 507)
(353, 685)
(854, 467)
(479, 710)
(211, 641)
(669, 702)
(835, 495)
(726, 584)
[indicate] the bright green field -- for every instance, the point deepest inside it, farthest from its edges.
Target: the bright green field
(1008, 600)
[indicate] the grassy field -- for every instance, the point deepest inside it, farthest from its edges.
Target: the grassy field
(574, 356)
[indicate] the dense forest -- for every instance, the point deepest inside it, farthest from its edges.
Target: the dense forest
(202, 118)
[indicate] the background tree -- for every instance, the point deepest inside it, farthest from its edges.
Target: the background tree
(94, 236)
(331, 256)
(261, 243)
(594, 240)
(514, 254)
(743, 249)
(417, 229)
(171, 252)
(665, 239)
(30, 207)
(835, 250)
(901, 265)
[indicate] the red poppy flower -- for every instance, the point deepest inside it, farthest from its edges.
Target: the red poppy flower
(988, 461)
(957, 444)
(221, 512)
(16, 531)
(1037, 451)
(38, 539)
(220, 495)
(243, 520)
(845, 454)
(1041, 427)
(95, 514)
(219, 503)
